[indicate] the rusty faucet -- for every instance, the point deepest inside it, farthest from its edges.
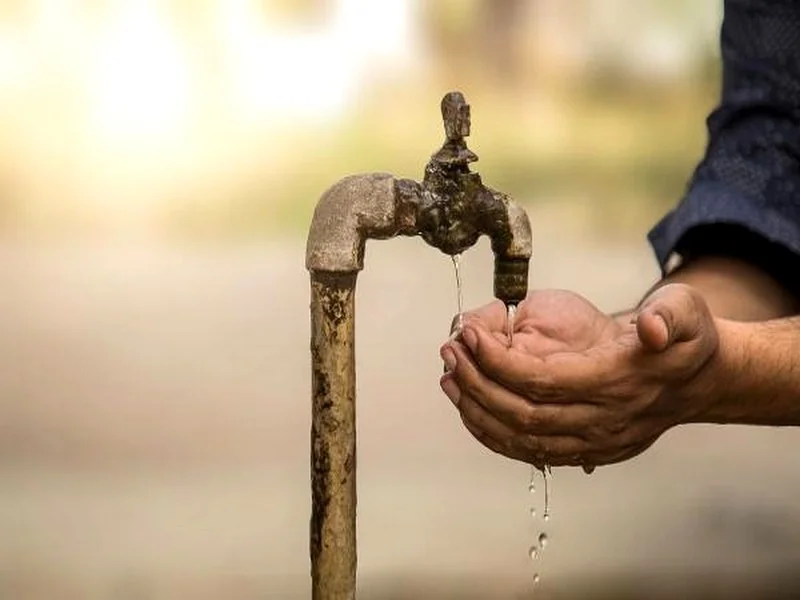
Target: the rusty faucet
(450, 210)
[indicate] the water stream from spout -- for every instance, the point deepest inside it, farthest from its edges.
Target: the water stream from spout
(457, 268)
(512, 313)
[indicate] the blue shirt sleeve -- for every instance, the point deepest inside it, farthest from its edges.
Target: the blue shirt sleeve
(744, 197)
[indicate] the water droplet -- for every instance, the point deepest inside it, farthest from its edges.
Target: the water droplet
(546, 517)
(588, 469)
(536, 578)
(543, 539)
(533, 552)
(533, 513)
(532, 488)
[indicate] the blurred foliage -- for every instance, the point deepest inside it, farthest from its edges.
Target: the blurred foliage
(617, 141)
(623, 153)
(618, 147)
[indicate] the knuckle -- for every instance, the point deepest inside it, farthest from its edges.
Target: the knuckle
(610, 427)
(534, 419)
(528, 418)
(469, 410)
(615, 427)
(544, 390)
(471, 385)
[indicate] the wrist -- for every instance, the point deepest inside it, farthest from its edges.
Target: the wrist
(736, 289)
(710, 391)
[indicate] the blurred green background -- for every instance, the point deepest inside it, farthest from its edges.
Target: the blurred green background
(228, 119)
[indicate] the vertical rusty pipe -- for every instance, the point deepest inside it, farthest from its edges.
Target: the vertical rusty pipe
(333, 436)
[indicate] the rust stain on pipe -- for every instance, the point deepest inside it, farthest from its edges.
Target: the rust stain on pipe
(333, 436)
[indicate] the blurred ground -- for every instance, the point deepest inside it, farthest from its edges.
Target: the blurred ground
(154, 418)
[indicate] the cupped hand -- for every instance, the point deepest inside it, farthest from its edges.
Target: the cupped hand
(577, 387)
(546, 322)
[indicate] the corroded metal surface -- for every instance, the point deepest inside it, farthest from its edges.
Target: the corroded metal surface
(333, 436)
(354, 209)
(450, 210)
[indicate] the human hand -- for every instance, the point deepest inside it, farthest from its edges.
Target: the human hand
(576, 386)
(546, 322)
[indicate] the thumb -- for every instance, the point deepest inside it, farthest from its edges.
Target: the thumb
(673, 313)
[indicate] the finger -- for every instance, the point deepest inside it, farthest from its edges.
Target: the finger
(557, 378)
(517, 411)
(498, 437)
(484, 439)
(674, 313)
(455, 334)
(653, 331)
(487, 429)
(623, 453)
(493, 316)
(450, 388)
(505, 365)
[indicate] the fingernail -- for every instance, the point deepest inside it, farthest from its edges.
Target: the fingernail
(450, 388)
(449, 358)
(663, 325)
(470, 338)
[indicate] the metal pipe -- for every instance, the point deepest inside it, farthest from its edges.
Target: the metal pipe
(450, 210)
(333, 436)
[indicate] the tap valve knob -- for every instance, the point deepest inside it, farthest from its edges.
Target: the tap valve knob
(454, 154)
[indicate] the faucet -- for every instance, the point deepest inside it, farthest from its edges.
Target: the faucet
(450, 209)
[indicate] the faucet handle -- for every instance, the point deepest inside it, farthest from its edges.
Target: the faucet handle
(456, 116)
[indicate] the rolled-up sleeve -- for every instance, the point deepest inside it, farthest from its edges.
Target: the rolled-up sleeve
(744, 196)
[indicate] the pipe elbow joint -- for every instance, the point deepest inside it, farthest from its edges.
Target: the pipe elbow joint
(350, 211)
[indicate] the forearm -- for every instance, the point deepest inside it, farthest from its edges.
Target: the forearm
(737, 290)
(733, 289)
(754, 377)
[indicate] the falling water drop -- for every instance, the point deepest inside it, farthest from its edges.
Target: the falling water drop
(535, 578)
(512, 312)
(533, 552)
(547, 474)
(533, 513)
(543, 539)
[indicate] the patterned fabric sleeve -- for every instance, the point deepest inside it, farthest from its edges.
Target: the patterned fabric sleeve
(744, 197)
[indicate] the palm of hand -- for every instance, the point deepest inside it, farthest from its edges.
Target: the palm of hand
(554, 321)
